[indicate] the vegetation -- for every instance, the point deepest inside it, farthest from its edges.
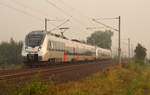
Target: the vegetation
(131, 79)
(140, 52)
(33, 87)
(10, 53)
(101, 39)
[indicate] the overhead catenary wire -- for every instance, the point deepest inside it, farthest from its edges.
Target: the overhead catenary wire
(105, 25)
(73, 9)
(20, 11)
(30, 8)
(64, 12)
(106, 18)
(35, 10)
(58, 8)
(81, 14)
(60, 25)
(27, 13)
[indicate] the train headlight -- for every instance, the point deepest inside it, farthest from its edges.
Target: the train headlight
(39, 48)
(26, 48)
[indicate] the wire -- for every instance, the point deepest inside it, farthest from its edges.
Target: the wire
(20, 11)
(107, 18)
(64, 12)
(60, 25)
(90, 28)
(54, 5)
(73, 9)
(104, 25)
(25, 6)
(37, 11)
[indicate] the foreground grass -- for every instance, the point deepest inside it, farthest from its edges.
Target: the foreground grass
(35, 87)
(130, 79)
(11, 66)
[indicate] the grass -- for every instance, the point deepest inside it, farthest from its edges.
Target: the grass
(11, 66)
(130, 79)
(34, 87)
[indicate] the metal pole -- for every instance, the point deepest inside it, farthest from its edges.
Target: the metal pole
(46, 24)
(132, 51)
(129, 48)
(119, 47)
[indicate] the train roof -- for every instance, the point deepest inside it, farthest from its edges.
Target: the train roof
(62, 37)
(37, 32)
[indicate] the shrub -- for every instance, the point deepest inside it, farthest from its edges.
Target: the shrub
(34, 87)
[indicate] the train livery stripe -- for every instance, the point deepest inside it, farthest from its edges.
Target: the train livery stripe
(84, 57)
(77, 57)
(64, 53)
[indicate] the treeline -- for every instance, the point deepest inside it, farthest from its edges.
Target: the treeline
(10, 52)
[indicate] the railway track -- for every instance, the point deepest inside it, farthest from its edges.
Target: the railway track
(45, 72)
(26, 74)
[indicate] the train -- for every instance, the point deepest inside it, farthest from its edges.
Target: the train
(42, 46)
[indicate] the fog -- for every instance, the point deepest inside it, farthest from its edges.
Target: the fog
(19, 17)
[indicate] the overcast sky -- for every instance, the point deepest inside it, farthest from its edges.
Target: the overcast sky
(19, 17)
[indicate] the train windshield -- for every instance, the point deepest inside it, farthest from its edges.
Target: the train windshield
(34, 40)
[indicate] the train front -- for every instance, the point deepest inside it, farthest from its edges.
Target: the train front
(33, 47)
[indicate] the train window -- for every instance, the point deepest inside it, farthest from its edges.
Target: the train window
(52, 45)
(49, 45)
(69, 50)
(62, 46)
(72, 50)
(81, 51)
(56, 46)
(59, 46)
(34, 40)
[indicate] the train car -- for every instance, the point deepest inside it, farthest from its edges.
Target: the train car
(103, 54)
(41, 46)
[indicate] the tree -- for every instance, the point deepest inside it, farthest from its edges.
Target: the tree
(3, 60)
(101, 39)
(140, 52)
(10, 52)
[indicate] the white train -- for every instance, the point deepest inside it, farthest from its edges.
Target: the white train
(41, 46)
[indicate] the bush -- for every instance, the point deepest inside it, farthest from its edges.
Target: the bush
(10, 52)
(33, 87)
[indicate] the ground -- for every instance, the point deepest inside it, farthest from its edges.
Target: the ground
(129, 79)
